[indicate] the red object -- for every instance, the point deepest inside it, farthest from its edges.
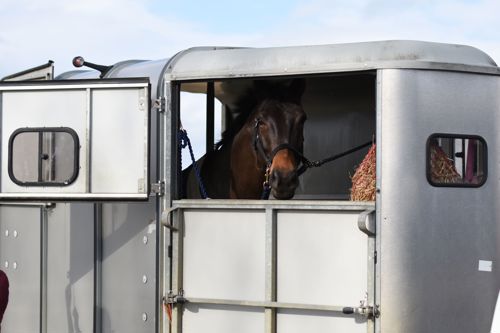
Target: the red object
(4, 293)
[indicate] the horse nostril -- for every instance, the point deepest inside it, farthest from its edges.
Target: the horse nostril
(284, 178)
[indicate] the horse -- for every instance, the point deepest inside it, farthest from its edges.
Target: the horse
(260, 151)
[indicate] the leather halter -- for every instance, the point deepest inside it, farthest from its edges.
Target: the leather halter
(259, 148)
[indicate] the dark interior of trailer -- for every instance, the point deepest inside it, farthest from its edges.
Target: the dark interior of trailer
(341, 114)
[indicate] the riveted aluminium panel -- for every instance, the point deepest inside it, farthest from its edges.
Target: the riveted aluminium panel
(128, 268)
(434, 238)
(70, 268)
(20, 254)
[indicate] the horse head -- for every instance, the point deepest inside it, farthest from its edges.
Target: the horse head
(275, 130)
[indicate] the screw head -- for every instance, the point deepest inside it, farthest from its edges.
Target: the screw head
(7, 233)
(145, 239)
(144, 279)
(6, 264)
(14, 265)
(15, 234)
(144, 316)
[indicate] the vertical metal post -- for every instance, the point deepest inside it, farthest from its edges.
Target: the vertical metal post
(170, 166)
(177, 269)
(271, 253)
(378, 199)
(88, 141)
(43, 267)
(371, 280)
(97, 268)
(210, 116)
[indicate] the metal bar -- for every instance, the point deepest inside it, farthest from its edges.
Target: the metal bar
(370, 297)
(273, 305)
(43, 268)
(271, 259)
(378, 194)
(275, 204)
(172, 168)
(177, 270)
(167, 162)
(72, 87)
(210, 117)
(88, 141)
(40, 160)
(98, 268)
(73, 196)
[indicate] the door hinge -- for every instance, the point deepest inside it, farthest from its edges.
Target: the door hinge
(159, 104)
(158, 188)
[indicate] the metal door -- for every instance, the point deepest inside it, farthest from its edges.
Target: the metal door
(253, 266)
(69, 140)
(439, 253)
(20, 257)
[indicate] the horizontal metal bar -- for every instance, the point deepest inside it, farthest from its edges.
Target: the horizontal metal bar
(275, 204)
(277, 305)
(71, 196)
(74, 86)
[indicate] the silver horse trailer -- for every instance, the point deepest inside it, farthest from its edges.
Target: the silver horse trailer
(96, 238)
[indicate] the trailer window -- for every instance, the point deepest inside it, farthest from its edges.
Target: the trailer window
(456, 160)
(43, 156)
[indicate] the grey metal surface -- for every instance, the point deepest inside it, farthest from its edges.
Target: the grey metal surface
(334, 104)
(70, 268)
(289, 260)
(92, 110)
(20, 253)
(433, 238)
(128, 268)
(230, 63)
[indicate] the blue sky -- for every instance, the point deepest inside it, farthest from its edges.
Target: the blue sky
(108, 31)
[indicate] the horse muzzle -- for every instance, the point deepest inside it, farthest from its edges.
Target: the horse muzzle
(283, 183)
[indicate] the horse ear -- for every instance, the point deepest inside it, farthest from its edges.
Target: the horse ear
(296, 90)
(263, 89)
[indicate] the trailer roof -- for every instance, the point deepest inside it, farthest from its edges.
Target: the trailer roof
(220, 62)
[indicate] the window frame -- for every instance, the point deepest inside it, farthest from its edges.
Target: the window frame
(40, 131)
(456, 136)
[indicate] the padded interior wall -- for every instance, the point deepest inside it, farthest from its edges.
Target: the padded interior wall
(340, 115)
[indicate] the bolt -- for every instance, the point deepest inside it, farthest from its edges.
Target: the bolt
(7, 233)
(145, 239)
(6, 264)
(144, 316)
(14, 265)
(144, 279)
(15, 233)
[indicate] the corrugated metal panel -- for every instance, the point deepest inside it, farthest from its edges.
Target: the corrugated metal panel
(203, 63)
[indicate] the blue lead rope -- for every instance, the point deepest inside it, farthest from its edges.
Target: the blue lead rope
(183, 142)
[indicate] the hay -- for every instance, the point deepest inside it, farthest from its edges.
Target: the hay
(442, 170)
(364, 179)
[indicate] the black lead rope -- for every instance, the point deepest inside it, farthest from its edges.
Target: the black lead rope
(306, 163)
